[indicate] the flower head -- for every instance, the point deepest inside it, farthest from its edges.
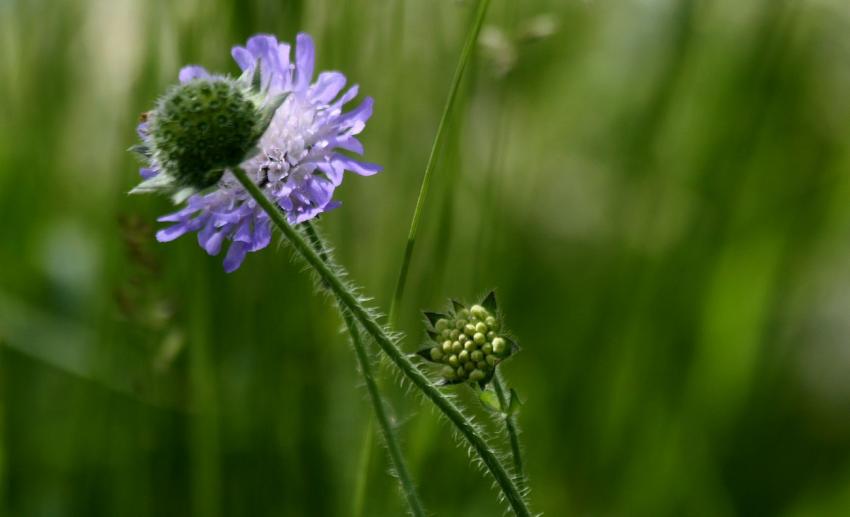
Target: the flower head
(284, 129)
(468, 342)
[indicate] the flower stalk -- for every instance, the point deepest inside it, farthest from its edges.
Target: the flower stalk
(369, 323)
(387, 430)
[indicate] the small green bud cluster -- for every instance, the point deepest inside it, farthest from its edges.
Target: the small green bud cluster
(468, 345)
(202, 127)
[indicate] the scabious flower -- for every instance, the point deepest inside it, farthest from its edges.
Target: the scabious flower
(283, 128)
(468, 342)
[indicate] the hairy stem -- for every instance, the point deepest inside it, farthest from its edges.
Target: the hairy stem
(465, 57)
(370, 324)
(384, 423)
(513, 431)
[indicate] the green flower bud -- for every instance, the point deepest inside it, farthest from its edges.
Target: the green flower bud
(441, 325)
(470, 346)
(463, 338)
(479, 338)
(479, 312)
(447, 347)
(482, 365)
(449, 373)
(436, 354)
(487, 348)
(480, 327)
(445, 335)
(491, 322)
(491, 335)
(453, 360)
(454, 334)
(463, 314)
(463, 356)
(476, 375)
(460, 324)
(456, 347)
(461, 372)
(492, 360)
(499, 346)
(469, 366)
(469, 330)
(476, 355)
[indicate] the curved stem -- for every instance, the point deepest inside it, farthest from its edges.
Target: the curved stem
(513, 431)
(465, 57)
(372, 387)
(369, 323)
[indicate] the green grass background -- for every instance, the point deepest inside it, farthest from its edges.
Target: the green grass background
(659, 190)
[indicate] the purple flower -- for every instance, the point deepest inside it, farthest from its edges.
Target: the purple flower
(299, 163)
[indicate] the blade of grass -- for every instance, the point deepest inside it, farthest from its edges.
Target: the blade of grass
(332, 278)
(362, 478)
(390, 439)
(436, 147)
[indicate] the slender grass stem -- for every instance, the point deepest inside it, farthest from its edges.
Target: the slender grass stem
(465, 57)
(362, 479)
(387, 430)
(368, 321)
(513, 432)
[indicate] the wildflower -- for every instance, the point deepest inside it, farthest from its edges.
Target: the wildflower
(470, 356)
(284, 129)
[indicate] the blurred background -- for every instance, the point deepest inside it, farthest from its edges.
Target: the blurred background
(657, 188)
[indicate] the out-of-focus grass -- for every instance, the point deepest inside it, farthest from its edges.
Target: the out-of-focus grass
(658, 188)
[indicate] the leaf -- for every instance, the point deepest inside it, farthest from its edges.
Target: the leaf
(257, 77)
(431, 334)
(457, 305)
(490, 302)
(513, 346)
(425, 353)
(490, 401)
(158, 183)
(434, 317)
(514, 404)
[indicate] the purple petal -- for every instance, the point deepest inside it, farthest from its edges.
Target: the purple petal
(356, 118)
(172, 232)
(326, 87)
(318, 191)
(146, 173)
(347, 96)
(262, 234)
(235, 256)
(243, 234)
(243, 58)
(265, 47)
(349, 143)
(187, 73)
(333, 173)
(305, 55)
(356, 166)
(210, 239)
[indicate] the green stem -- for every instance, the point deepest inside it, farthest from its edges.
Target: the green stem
(513, 431)
(465, 57)
(370, 324)
(372, 387)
